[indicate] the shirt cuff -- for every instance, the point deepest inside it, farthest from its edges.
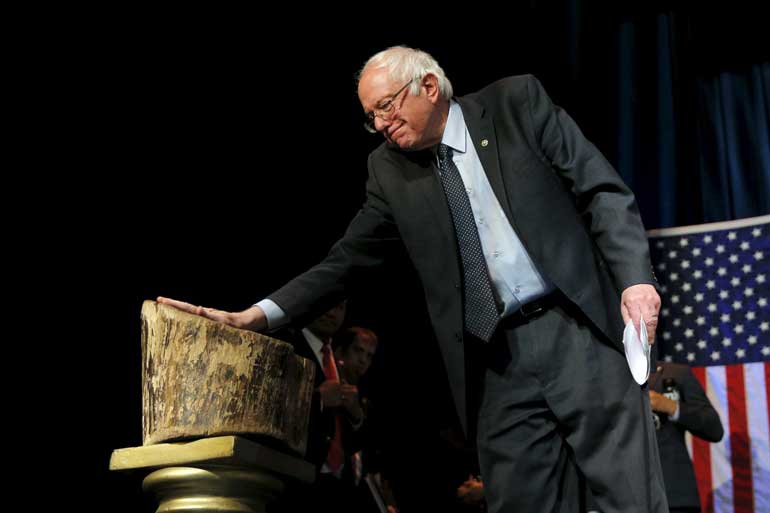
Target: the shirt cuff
(274, 314)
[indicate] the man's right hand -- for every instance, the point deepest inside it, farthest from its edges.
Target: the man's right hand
(250, 319)
(662, 404)
(331, 393)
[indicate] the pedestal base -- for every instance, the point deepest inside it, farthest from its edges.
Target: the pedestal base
(214, 489)
(226, 474)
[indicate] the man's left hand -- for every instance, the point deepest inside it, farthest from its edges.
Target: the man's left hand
(641, 300)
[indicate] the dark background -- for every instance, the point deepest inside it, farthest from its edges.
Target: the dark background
(214, 155)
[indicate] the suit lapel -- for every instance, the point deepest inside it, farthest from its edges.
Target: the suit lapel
(422, 171)
(482, 132)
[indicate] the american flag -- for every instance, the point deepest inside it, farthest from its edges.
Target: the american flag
(715, 317)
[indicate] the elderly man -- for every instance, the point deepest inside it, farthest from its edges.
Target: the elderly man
(532, 256)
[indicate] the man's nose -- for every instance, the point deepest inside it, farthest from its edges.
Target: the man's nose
(380, 124)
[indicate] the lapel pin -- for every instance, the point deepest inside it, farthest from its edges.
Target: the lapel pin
(484, 143)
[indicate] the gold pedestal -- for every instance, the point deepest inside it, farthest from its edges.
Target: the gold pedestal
(224, 474)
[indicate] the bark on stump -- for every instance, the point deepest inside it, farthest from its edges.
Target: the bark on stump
(202, 378)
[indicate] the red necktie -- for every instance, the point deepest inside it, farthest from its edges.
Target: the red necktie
(335, 456)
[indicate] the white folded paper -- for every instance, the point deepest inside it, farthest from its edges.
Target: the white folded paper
(637, 349)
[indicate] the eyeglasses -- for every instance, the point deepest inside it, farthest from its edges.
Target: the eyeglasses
(385, 111)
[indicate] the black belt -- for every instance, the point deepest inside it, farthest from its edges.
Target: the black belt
(530, 310)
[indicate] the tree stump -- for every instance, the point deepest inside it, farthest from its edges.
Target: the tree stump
(202, 378)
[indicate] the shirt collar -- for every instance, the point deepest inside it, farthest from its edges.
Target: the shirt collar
(454, 131)
(315, 343)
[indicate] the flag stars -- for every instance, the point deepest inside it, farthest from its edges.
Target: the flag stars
(731, 236)
(686, 287)
(677, 322)
(683, 242)
(689, 333)
(738, 329)
(712, 307)
(723, 294)
(664, 312)
(721, 271)
(713, 331)
(660, 244)
(673, 276)
(758, 255)
(710, 284)
(746, 269)
(699, 297)
(740, 353)
(766, 350)
(715, 355)
(672, 255)
(727, 342)
(735, 281)
(687, 310)
(662, 266)
(697, 274)
(700, 321)
(756, 232)
(666, 335)
(709, 261)
(668, 358)
(690, 357)
(725, 317)
(679, 346)
(745, 245)
(737, 305)
(764, 326)
(695, 251)
(748, 292)
(752, 340)
(750, 315)
(760, 278)
(720, 249)
(762, 302)
(685, 264)
(733, 259)
(707, 239)
(675, 299)
(701, 344)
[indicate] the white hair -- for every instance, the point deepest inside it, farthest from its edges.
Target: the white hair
(404, 63)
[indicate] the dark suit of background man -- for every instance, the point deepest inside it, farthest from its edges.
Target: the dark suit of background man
(335, 418)
(354, 349)
(528, 303)
(681, 405)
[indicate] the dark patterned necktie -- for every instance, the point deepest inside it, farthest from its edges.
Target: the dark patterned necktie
(481, 314)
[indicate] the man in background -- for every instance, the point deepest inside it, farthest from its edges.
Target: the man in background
(679, 404)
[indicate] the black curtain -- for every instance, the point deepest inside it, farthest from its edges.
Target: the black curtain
(734, 143)
(691, 96)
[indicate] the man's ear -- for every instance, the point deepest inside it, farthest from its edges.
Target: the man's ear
(430, 84)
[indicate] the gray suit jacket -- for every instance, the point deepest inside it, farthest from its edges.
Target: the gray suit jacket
(574, 215)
